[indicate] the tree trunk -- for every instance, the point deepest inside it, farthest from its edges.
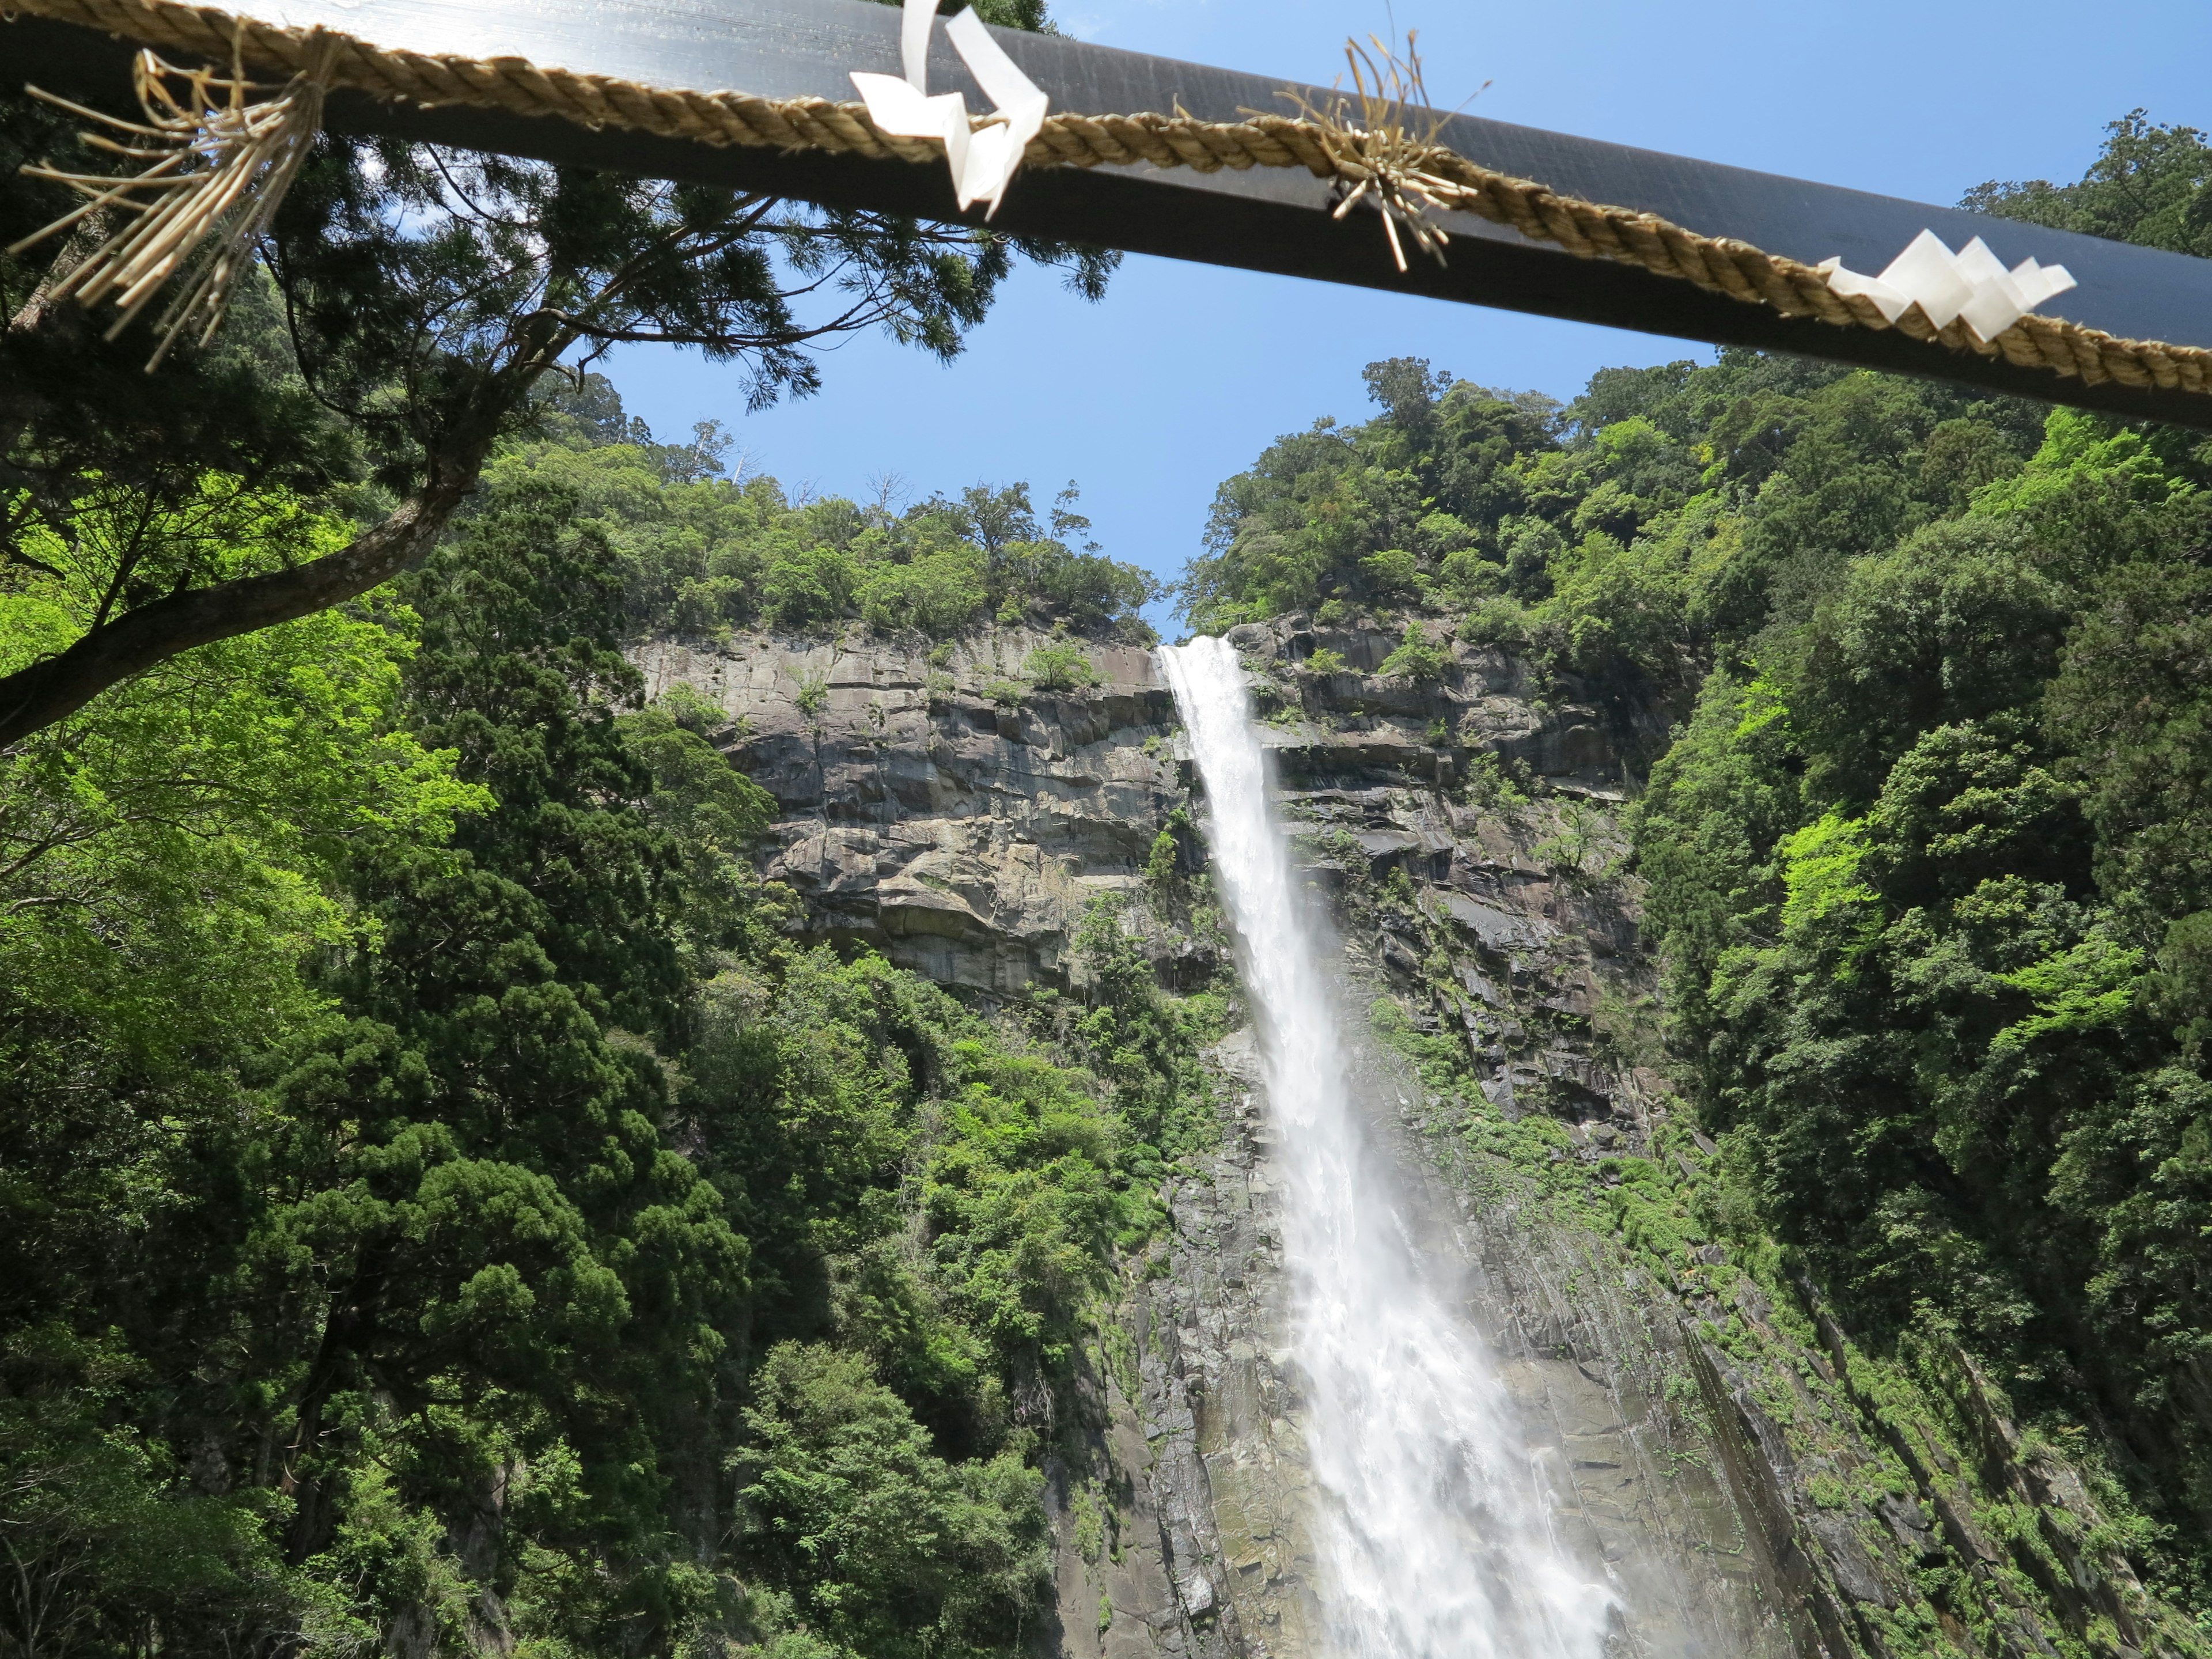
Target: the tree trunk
(348, 1329)
(55, 687)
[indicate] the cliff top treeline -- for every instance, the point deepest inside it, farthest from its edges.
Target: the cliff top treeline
(702, 552)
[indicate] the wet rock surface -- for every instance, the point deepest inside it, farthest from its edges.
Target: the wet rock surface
(1695, 1437)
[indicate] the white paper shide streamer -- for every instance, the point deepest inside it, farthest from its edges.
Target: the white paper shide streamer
(983, 161)
(1972, 284)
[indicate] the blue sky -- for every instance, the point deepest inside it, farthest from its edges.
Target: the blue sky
(1184, 373)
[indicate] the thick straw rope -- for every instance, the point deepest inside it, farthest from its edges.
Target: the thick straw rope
(1586, 229)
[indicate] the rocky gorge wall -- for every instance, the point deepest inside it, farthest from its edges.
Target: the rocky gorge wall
(1756, 1484)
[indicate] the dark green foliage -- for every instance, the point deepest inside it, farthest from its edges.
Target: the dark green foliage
(1059, 668)
(1959, 621)
(74, 405)
(2131, 706)
(98, 1526)
(2151, 184)
(1929, 894)
(884, 1547)
(1145, 1044)
(451, 1205)
(1416, 657)
(1667, 514)
(1369, 514)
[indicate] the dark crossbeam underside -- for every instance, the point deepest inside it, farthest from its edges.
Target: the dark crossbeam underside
(1275, 220)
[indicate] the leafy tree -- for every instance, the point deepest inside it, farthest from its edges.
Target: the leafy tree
(99, 1539)
(2130, 704)
(937, 593)
(2151, 183)
(1059, 668)
(1143, 1042)
(1407, 390)
(809, 587)
(886, 1547)
(424, 294)
(174, 860)
(1959, 621)
(1416, 657)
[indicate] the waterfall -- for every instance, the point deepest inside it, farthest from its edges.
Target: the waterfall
(1431, 1529)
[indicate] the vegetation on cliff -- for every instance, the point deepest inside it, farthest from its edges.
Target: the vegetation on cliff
(1925, 855)
(1925, 868)
(444, 1206)
(703, 552)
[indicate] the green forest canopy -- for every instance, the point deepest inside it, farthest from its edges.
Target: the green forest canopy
(444, 1206)
(702, 552)
(440, 1195)
(1928, 851)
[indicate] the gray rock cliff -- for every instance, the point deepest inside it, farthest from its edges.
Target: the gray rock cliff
(1724, 1453)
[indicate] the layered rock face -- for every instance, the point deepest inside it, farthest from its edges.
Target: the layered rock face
(959, 835)
(963, 835)
(1697, 1437)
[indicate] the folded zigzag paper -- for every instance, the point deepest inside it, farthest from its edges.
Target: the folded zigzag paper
(983, 162)
(1972, 284)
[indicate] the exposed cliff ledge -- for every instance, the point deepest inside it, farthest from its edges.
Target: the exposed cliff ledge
(960, 835)
(1758, 1483)
(963, 835)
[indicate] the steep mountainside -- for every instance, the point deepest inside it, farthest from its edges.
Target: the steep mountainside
(1757, 1483)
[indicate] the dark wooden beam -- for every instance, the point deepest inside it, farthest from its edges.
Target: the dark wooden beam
(1270, 219)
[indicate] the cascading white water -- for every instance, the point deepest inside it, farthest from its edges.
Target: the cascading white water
(1433, 1533)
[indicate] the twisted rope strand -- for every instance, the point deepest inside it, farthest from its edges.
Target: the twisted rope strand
(1586, 229)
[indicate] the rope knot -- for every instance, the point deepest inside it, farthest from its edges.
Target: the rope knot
(1380, 159)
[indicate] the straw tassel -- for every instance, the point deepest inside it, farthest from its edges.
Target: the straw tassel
(1378, 159)
(219, 167)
